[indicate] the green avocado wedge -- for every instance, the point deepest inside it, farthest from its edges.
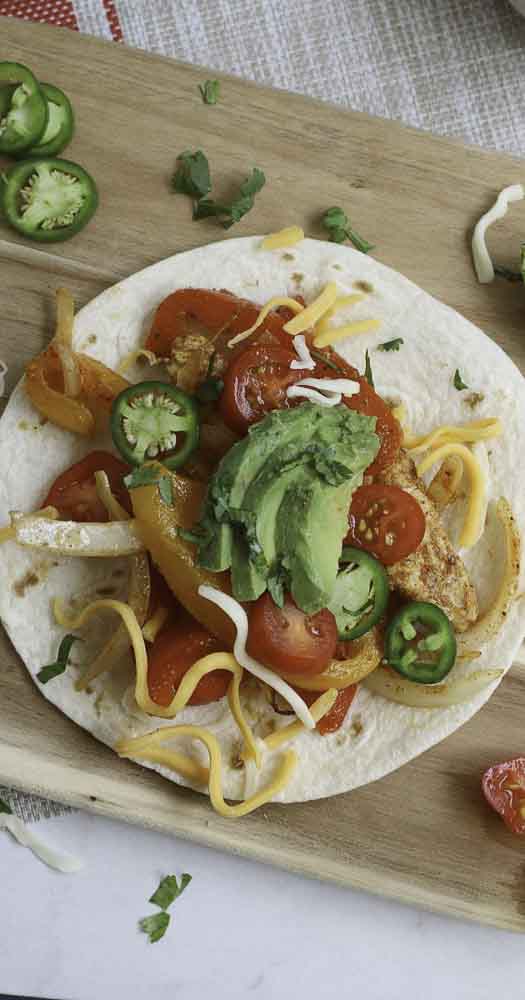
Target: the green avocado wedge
(276, 512)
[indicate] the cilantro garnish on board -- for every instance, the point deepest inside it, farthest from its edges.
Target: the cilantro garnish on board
(339, 229)
(210, 91)
(192, 177)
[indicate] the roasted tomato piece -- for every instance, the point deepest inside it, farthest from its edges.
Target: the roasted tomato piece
(333, 720)
(74, 492)
(174, 651)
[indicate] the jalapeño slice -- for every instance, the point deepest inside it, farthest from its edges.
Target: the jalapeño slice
(155, 420)
(420, 643)
(23, 109)
(60, 125)
(49, 199)
(360, 594)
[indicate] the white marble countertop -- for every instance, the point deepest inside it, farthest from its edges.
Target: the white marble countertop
(240, 928)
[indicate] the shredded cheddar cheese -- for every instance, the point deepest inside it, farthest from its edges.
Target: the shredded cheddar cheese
(214, 661)
(149, 748)
(152, 627)
(278, 300)
(309, 316)
(284, 238)
(477, 430)
(342, 302)
(116, 511)
(476, 502)
(336, 333)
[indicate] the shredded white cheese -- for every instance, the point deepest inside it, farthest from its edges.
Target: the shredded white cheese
(238, 615)
(302, 350)
(324, 391)
(55, 859)
(482, 260)
(3, 373)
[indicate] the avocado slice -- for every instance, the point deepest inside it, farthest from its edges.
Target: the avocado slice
(311, 526)
(277, 507)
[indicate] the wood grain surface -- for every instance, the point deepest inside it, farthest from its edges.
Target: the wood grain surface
(422, 835)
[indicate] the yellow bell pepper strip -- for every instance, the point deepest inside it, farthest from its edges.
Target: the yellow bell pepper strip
(159, 527)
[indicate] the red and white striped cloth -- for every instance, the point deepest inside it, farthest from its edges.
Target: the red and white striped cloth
(66, 14)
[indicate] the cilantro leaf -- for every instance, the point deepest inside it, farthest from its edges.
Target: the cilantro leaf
(155, 926)
(319, 356)
(368, 370)
(209, 390)
(339, 229)
(145, 475)
(228, 215)
(150, 475)
(391, 345)
(192, 175)
(166, 490)
(169, 889)
(505, 272)
(58, 667)
(5, 808)
(210, 91)
(458, 381)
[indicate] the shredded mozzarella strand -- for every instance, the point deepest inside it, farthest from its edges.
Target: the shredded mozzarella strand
(303, 353)
(55, 859)
(481, 257)
(238, 615)
(324, 391)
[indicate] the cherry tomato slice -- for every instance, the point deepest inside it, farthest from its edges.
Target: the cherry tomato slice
(333, 720)
(174, 651)
(74, 492)
(256, 383)
(504, 789)
(288, 640)
(386, 521)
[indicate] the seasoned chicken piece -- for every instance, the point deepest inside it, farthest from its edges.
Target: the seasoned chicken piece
(190, 360)
(434, 572)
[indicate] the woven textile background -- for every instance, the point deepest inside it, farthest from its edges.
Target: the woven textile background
(455, 67)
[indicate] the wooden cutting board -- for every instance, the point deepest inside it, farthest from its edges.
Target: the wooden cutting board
(422, 835)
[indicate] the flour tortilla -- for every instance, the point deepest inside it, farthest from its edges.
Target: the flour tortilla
(377, 736)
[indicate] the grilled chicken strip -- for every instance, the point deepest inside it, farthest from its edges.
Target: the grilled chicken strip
(434, 572)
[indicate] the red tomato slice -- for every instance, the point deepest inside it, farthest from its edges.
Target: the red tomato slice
(333, 720)
(174, 651)
(74, 492)
(504, 789)
(256, 383)
(288, 640)
(386, 521)
(219, 315)
(367, 402)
